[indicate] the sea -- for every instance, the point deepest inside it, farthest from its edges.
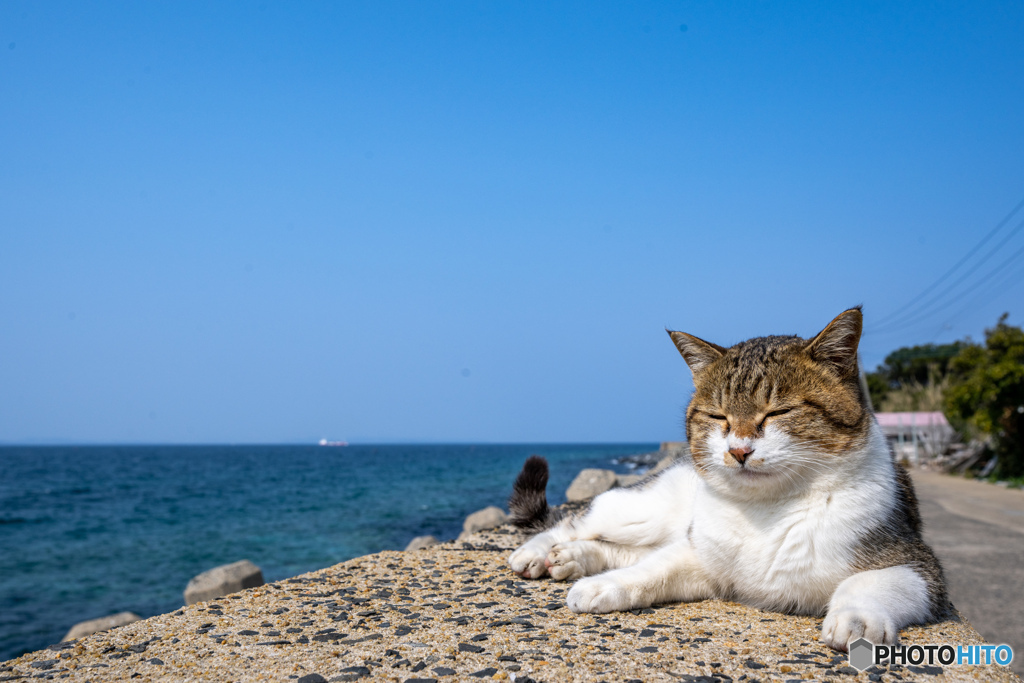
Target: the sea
(89, 531)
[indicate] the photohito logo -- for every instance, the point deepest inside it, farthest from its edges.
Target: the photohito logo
(864, 653)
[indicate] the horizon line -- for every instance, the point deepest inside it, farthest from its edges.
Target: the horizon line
(411, 442)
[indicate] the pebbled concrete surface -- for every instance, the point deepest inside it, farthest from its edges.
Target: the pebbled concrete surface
(455, 612)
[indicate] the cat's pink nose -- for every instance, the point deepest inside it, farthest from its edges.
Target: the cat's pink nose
(740, 453)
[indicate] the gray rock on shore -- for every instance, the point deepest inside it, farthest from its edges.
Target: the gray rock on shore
(630, 479)
(589, 483)
(421, 542)
(87, 628)
(223, 580)
(665, 462)
(488, 518)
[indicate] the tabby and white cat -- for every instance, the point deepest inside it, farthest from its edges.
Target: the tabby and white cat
(791, 501)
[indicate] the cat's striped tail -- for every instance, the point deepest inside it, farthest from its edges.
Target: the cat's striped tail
(528, 503)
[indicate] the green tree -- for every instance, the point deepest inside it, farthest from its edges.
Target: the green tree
(911, 369)
(878, 387)
(986, 394)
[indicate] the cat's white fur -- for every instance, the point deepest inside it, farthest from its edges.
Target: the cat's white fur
(779, 534)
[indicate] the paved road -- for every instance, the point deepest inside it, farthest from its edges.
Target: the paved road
(977, 530)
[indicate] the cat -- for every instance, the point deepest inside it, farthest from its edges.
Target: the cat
(791, 501)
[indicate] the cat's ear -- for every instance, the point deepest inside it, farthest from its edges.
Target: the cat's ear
(697, 353)
(836, 345)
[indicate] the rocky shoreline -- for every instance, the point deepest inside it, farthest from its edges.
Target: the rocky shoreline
(454, 611)
(231, 578)
(587, 484)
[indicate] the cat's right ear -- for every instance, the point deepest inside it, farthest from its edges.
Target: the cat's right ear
(697, 353)
(836, 345)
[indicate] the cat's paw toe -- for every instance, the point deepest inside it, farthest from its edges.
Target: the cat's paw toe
(565, 562)
(842, 627)
(528, 562)
(597, 595)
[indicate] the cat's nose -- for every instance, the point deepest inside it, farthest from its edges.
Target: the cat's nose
(740, 453)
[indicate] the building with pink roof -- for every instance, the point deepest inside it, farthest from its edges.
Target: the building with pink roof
(916, 436)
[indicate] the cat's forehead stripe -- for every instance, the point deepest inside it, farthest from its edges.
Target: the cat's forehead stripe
(749, 363)
(760, 349)
(746, 380)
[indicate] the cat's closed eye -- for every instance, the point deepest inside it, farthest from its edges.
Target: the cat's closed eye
(774, 413)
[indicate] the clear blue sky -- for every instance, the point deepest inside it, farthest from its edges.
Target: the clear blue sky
(453, 221)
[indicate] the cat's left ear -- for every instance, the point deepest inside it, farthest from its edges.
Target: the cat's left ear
(836, 345)
(697, 353)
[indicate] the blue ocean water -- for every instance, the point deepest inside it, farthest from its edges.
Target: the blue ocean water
(90, 531)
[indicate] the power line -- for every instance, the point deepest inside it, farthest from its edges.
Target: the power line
(962, 261)
(1013, 259)
(1013, 275)
(929, 308)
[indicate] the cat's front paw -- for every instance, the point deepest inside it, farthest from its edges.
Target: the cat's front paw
(528, 560)
(565, 561)
(597, 595)
(845, 625)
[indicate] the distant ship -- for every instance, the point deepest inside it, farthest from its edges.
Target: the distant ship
(325, 442)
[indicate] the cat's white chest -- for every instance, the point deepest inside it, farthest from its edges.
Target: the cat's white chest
(785, 557)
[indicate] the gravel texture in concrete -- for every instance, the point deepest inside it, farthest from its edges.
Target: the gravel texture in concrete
(455, 612)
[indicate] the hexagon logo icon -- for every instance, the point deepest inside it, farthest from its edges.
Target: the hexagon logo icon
(862, 653)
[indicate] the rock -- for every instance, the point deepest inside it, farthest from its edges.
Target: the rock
(85, 628)
(421, 542)
(488, 518)
(665, 462)
(628, 479)
(673, 451)
(352, 673)
(589, 483)
(223, 580)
